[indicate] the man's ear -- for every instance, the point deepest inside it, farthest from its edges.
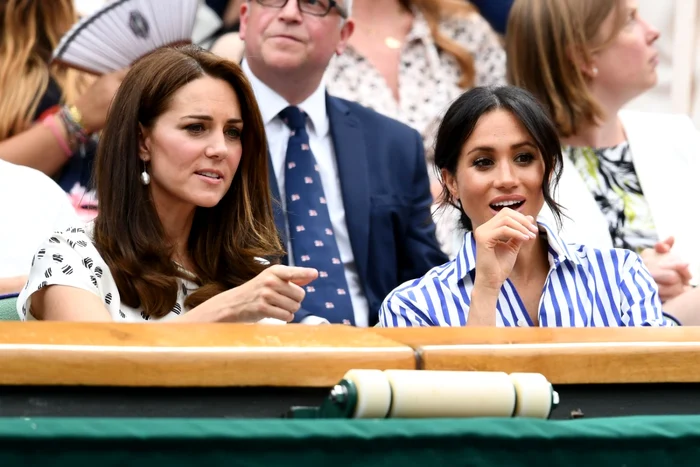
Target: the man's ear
(243, 20)
(144, 144)
(345, 33)
(450, 182)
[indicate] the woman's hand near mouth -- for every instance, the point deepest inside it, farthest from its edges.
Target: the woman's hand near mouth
(498, 243)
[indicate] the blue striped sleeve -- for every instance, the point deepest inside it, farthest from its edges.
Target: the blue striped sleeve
(640, 303)
(399, 310)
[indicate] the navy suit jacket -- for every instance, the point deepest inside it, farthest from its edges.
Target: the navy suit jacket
(386, 196)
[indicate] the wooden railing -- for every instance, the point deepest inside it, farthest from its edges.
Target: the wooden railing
(40, 353)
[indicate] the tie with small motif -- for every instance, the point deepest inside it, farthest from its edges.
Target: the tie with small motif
(310, 230)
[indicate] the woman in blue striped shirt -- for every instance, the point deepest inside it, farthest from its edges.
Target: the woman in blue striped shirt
(500, 159)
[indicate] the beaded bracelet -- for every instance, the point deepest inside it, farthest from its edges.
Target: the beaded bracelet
(79, 137)
(50, 123)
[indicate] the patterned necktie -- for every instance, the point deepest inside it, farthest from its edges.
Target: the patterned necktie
(310, 230)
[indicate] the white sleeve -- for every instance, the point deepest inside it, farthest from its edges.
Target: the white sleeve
(66, 258)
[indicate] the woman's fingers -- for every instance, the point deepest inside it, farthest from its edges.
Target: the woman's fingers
(271, 311)
(507, 233)
(283, 302)
(517, 224)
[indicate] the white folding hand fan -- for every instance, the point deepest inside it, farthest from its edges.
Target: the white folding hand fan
(119, 33)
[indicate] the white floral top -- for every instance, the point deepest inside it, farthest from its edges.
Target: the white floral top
(429, 78)
(70, 258)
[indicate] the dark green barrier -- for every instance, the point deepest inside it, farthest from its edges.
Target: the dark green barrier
(631, 441)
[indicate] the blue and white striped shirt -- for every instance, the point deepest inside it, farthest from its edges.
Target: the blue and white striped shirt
(584, 287)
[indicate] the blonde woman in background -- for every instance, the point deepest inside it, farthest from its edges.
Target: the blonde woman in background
(409, 59)
(628, 176)
(48, 113)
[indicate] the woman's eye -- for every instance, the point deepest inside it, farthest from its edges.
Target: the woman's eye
(195, 128)
(233, 133)
(524, 158)
(482, 162)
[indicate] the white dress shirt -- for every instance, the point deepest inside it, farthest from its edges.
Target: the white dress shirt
(318, 127)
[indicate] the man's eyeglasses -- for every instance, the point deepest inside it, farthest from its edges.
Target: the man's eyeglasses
(311, 7)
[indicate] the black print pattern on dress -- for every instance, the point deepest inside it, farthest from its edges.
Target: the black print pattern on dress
(54, 240)
(87, 262)
(145, 316)
(47, 273)
(42, 285)
(611, 178)
(67, 269)
(57, 258)
(98, 272)
(108, 298)
(40, 254)
(122, 314)
(93, 280)
(177, 309)
(82, 243)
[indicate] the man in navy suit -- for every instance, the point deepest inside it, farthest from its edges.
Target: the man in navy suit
(371, 169)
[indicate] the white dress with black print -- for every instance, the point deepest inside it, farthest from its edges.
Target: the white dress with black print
(69, 258)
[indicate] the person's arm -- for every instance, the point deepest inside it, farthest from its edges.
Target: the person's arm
(399, 311)
(274, 293)
(66, 303)
(277, 293)
(685, 308)
(641, 305)
(37, 148)
(12, 284)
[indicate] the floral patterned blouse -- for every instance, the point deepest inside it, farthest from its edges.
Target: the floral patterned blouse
(611, 178)
(429, 77)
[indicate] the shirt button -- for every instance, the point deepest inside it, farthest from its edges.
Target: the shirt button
(521, 323)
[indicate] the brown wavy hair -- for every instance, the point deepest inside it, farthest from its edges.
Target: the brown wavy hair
(227, 240)
(436, 11)
(31, 29)
(544, 38)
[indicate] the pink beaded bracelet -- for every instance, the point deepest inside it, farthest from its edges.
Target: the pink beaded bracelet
(50, 123)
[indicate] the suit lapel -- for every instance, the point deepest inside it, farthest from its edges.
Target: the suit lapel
(353, 172)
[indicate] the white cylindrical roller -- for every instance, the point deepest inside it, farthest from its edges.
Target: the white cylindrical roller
(535, 395)
(427, 393)
(373, 393)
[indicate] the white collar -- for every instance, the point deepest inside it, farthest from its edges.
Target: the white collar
(271, 103)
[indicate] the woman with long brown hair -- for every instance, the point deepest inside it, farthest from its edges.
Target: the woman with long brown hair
(48, 112)
(185, 229)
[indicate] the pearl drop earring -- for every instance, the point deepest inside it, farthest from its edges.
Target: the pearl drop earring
(145, 178)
